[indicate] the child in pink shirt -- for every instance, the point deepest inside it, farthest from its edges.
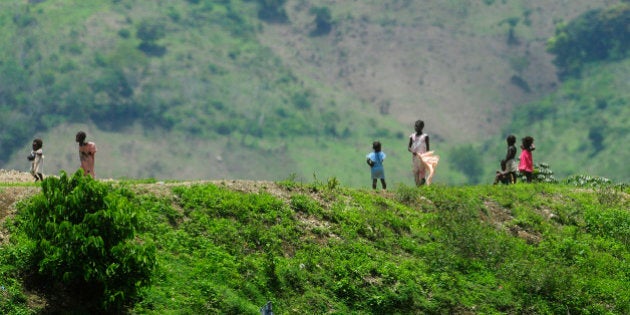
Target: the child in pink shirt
(526, 165)
(87, 151)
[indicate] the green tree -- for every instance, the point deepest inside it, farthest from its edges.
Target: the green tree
(272, 11)
(85, 237)
(466, 159)
(323, 21)
(149, 32)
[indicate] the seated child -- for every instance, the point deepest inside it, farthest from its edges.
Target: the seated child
(502, 176)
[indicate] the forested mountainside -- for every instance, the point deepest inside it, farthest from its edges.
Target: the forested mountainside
(273, 89)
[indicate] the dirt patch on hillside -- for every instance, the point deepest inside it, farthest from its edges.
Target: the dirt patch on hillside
(501, 218)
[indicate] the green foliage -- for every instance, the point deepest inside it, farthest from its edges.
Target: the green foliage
(14, 257)
(323, 21)
(149, 32)
(272, 11)
(582, 126)
(408, 195)
(377, 256)
(466, 160)
(85, 236)
(595, 35)
(542, 174)
(511, 37)
(593, 182)
(308, 249)
(124, 85)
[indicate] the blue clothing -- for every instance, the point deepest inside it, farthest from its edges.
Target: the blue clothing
(378, 171)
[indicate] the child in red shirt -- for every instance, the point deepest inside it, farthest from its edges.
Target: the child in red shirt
(526, 165)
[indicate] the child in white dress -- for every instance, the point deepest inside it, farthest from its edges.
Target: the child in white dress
(37, 159)
(422, 158)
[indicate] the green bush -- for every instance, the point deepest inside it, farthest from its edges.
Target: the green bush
(544, 174)
(84, 233)
(272, 11)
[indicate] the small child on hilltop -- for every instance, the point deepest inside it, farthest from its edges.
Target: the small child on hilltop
(511, 165)
(526, 165)
(37, 159)
(375, 161)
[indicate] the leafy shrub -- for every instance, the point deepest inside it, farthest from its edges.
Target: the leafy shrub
(592, 182)
(305, 204)
(323, 21)
(272, 11)
(408, 195)
(544, 174)
(84, 233)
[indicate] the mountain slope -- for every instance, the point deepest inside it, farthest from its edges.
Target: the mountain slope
(582, 127)
(451, 63)
(205, 89)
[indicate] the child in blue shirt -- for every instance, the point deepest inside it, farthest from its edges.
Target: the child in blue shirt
(375, 161)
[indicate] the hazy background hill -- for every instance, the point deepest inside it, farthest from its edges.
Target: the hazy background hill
(274, 89)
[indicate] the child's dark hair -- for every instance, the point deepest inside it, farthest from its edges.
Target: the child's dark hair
(38, 143)
(81, 136)
(527, 142)
(419, 124)
(376, 145)
(511, 139)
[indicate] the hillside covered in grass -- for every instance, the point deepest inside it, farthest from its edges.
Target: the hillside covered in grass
(243, 89)
(584, 133)
(230, 247)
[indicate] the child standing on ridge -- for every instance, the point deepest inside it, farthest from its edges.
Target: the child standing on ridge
(511, 165)
(422, 158)
(87, 151)
(375, 161)
(526, 165)
(37, 159)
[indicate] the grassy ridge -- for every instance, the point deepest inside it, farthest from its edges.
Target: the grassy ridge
(321, 248)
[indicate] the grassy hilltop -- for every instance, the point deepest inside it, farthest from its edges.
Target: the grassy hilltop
(229, 247)
(209, 89)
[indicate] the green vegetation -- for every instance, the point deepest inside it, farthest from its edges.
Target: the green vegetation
(322, 249)
(156, 69)
(209, 82)
(585, 123)
(599, 34)
(79, 238)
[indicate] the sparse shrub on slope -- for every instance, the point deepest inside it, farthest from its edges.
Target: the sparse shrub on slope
(84, 233)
